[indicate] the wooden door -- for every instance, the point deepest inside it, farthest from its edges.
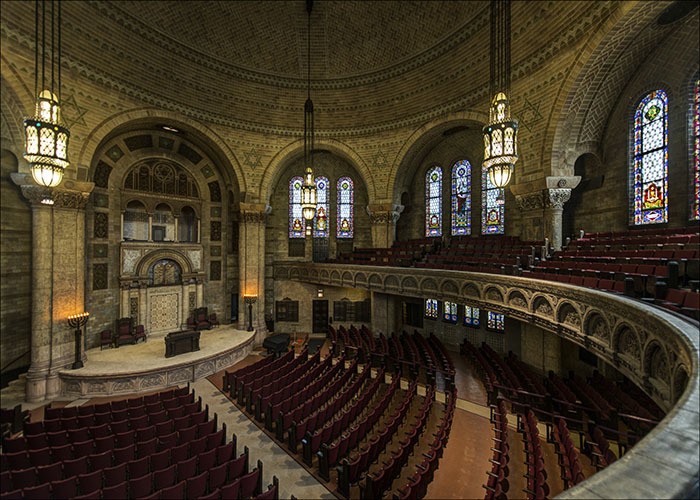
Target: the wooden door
(320, 316)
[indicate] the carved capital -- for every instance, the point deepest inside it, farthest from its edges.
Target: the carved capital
(250, 217)
(62, 198)
(530, 201)
(384, 213)
(556, 198)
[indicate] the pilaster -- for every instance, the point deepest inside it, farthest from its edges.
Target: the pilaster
(58, 278)
(253, 217)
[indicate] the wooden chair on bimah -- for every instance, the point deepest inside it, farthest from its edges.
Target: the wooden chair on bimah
(127, 333)
(200, 319)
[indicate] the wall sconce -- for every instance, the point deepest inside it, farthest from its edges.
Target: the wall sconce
(250, 300)
(319, 293)
(77, 321)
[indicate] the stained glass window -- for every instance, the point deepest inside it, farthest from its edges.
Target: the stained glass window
(496, 321)
(650, 166)
(433, 202)
(492, 206)
(695, 141)
(449, 312)
(471, 316)
(461, 197)
(297, 224)
(345, 221)
(321, 218)
(431, 308)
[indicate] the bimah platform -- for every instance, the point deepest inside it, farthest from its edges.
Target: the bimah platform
(181, 342)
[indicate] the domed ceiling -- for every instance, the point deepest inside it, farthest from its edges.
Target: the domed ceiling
(375, 65)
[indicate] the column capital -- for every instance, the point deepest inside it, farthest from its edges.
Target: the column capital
(384, 213)
(530, 201)
(68, 194)
(255, 213)
(556, 198)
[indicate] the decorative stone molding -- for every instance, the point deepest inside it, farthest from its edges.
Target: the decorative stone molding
(69, 194)
(254, 213)
(384, 214)
(530, 201)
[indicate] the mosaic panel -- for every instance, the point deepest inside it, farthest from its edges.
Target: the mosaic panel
(215, 251)
(214, 191)
(215, 211)
(164, 311)
(115, 153)
(215, 230)
(99, 250)
(99, 276)
(102, 171)
(215, 270)
(101, 225)
(100, 200)
(134, 307)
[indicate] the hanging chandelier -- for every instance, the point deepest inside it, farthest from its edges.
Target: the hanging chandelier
(308, 188)
(46, 138)
(501, 133)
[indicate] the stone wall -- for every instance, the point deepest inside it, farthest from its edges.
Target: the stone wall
(15, 268)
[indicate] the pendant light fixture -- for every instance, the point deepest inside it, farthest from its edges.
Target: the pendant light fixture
(46, 138)
(501, 133)
(308, 188)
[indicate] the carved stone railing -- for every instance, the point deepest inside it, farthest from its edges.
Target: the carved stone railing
(655, 349)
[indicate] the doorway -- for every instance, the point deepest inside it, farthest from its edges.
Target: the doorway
(320, 316)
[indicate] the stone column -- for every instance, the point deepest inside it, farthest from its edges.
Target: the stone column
(554, 200)
(58, 279)
(253, 217)
(383, 218)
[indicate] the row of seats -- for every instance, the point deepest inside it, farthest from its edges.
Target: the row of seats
(497, 484)
(537, 487)
(568, 454)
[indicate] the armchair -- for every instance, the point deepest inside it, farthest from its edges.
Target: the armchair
(125, 332)
(201, 318)
(213, 321)
(140, 333)
(106, 339)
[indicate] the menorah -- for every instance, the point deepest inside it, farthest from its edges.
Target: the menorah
(250, 300)
(77, 321)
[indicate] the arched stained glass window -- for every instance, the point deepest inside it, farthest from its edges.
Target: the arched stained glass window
(461, 198)
(449, 311)
(471, 316)
(695, 141)
(492, 206)
(322, 200)
(345, 219)
(431, 308)
(297, 224)
(496, 321)
(650, 165)
(433, 202)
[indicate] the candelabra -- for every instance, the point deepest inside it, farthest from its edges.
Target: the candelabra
(77, 321)
(250, 300)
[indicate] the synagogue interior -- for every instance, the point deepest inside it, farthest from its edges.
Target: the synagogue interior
(350, 249)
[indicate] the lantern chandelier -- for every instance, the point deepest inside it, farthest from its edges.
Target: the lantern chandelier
(501, 133)
(308, 188)
(46, 138)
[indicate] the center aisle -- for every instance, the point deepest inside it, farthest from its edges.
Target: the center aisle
(294, 479)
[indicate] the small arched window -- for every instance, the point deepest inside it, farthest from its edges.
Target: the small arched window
(321, 220)
(649, 173)
(135, 227)
(345, 215)
(297, 224)
(187, 225)
(433, 202)
(461, 198)
(431, 308)
(163, 225)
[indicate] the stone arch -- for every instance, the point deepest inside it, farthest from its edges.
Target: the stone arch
(347, 277)
(449, 287)
(361, 279)
(335, 275)
(294, 274)
(470, 290)
(542, 306)
(422, 137)
(409, 283)
(313, 273)
(493, 293)
(11, 120)
(595, 325)
(655, 363)
(428, 285)
(374, 280)
(575, 128)
(145, 263)
(626, 341)
(275, 169)
(517, 299)
(680, 382)
(391, 282)
(567, 314)
(203, 135)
